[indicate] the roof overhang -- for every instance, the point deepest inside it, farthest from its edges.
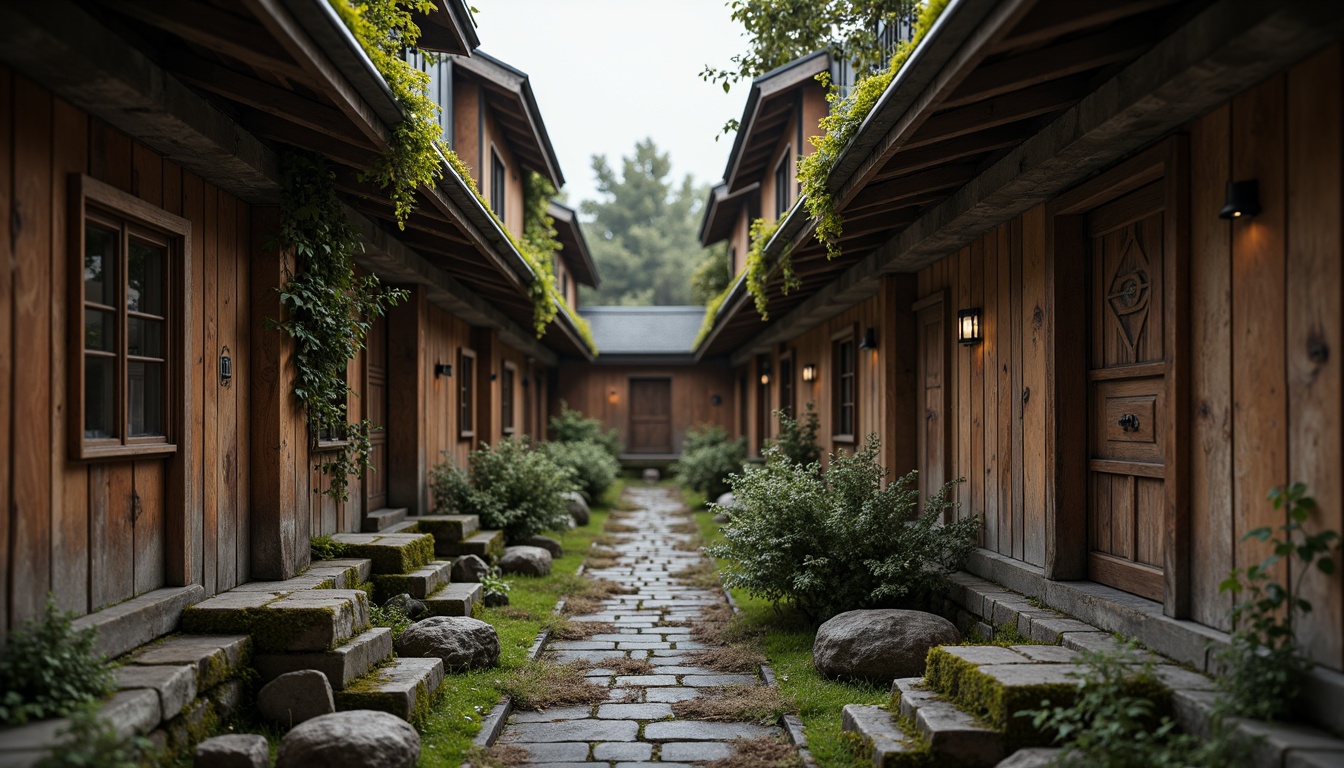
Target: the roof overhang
(770, 103)
(449, 29)
(721, 212)
(509, 94)
(574, 248)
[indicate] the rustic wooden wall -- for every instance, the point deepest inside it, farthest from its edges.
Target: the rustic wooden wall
(1265, 335)
(71, 528)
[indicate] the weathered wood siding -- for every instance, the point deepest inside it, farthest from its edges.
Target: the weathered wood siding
(1264, 335)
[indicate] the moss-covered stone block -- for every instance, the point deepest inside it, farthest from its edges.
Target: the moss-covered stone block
(420, 583)
(447, 529)
(405, 687)
(487, 545)
(391, 553)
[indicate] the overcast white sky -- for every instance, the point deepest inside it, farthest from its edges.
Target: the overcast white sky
(607, 73)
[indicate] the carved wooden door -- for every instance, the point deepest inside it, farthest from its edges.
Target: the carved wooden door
(375, 403)
(650, 415)
(1126, 388)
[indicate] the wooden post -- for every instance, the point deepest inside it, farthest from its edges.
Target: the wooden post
(900, 355)
(407, 380)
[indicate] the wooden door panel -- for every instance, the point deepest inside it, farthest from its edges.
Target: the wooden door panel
(375, 404)
(1128, 416)
(932, 447)
(651, 415)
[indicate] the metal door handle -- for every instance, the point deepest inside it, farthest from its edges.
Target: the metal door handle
(1129, 422)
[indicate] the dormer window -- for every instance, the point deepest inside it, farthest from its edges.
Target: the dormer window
(782, 197)
(497, 176)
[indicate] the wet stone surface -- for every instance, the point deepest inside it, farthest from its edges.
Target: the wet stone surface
(636, 726)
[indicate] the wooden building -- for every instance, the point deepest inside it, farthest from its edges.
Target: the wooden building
(152, 446)
(1146, 351)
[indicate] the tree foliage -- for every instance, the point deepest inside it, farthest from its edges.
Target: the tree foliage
(644, 233)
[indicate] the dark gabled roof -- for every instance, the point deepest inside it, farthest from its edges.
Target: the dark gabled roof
(765, 115)
(574, 249)
(721, 212)
(656, 333)
(509, 94)
(449, 29)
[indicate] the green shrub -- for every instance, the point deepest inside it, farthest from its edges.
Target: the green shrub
(571, 427)
(50, 669)
(593, 466)
(94, 743)
(708, 458)
(839, 541)
(512, 487)
(798, 437)
(324, 548)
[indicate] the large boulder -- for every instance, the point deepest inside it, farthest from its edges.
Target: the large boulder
(725, 501)
(234, 750)
(469, 569)
(525, 561)
(578, 507)
(462, 642)
(296, 697)
(879, 645)
(360, 738)
(546, 543)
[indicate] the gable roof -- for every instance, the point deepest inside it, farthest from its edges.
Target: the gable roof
(770, 103)
(574, 249)
(449, 29)
(721, 211)
(509, 94)
(651, 334)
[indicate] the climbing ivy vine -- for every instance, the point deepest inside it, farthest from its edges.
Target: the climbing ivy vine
(327, 311)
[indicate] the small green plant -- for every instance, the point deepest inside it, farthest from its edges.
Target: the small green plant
(50, 669)
(511, 487)
(92, 742)
(493, 582)
(593, 466)
(1263, 666)
(797, 439)
(392, 616)
(323, 548)
(1117, 719)
(708, 459)
(839, 541)
(571, 426)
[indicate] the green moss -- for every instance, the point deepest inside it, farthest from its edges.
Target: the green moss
(386, 585)
(392, 559)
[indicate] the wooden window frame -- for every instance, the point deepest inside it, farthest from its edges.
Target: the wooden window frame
(848, 335)
(113, 208)
(783, 186)
(466, 393)
(499, 174)
(508, 377)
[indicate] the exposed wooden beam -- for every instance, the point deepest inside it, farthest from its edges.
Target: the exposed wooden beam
(954, 150)
(892, 193)
(1055, 18)
(275, 126)
(1043, 99)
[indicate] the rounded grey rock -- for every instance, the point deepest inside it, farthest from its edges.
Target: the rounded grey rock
(652, 475)
(461, 642)
(525, 561)
(495, 599)
(578, 507)
(879, 645)
(357, 739)
(413, 608)
(234, 750)
(546, 543)
(295, 697)
(469, 569)
(725, 501)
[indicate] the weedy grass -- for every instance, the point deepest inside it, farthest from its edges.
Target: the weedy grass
(733, 659)
(763, 704)
(765, 752)
(562, 627)
(498, 756)
(540, 685)
(703, 575)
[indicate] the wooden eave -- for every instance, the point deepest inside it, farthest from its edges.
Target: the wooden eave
(449, 29)
(289, 72)
(988, 77)
(508, 94)
(721, 211)
(573, 247)
(773, 99)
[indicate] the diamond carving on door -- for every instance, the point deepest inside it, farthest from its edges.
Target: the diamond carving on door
(1128, 296)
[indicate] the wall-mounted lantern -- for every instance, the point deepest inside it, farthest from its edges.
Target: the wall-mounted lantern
(715, 400)
(764, 367)
(1243, 199)
(612, 397)
(869, 339)
(968, 326)
(810, 372)
(225, 366)
(442, 369)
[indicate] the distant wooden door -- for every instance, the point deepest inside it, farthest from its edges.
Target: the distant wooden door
(932, 437)
(650, 415)
(375, 403)
(1127, 432)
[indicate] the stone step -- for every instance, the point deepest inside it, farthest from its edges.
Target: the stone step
(486, 545)
(344, 572)
(447, 529)
(882, 737)
(404, 687)
(309, 620)
(454, 600)
(390, 552)
(405, 526)
(381, 519)
(954, 737)
(216, 658)
(342, 665)
(419, 583)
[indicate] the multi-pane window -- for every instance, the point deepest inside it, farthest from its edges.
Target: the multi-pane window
(466, 393)
(129, 257)
(844, 387)
(506, 378)
(782, 196)
(497, 175)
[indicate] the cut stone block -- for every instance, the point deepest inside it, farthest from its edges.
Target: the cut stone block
(128, 625)
(342, 665)
(313, 620)
(390, 553)
(953, 736)
(487, 545)
(216, 658)
(175, 685)
(1054, 654)
(447, 529)
(419, 583)
(133, 713)
(380, 520)
(881, 736)
(454, 600)
(405, 526)
(344, 572)
(404, 688)
(980, 655)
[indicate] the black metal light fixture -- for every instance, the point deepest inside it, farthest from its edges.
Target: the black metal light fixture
(869, 339)
(442, 369)
(968, 326)
(225, 366)
(1243, 199)
(715, 400)
(810, 372)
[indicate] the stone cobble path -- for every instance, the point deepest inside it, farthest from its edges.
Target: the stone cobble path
(637, 727)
